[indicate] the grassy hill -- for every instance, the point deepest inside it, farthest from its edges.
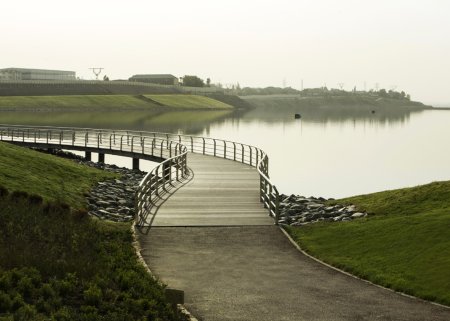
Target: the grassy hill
(357, 101)
(189, 101)
(55, 179)
(109, 102)
(403, 245)
(56, 263)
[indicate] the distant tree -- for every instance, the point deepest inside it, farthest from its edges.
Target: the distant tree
(403, 94)
(105, 78)
(382, 93)
(208, 82)
(193, 81)
(408, 96)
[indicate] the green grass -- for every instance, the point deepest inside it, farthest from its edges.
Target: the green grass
(74, 102)
(109, 102)
(55, 179)
(404, 245)
(189, 101)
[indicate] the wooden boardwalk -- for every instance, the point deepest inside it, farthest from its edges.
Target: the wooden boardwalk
(220, 192)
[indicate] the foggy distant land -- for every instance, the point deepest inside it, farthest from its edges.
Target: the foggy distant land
(93, 95)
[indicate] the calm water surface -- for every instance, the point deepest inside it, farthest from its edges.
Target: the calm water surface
(329, 153)
(338, 158)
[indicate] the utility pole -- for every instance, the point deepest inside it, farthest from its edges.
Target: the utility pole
(96, 71)
(341, 85)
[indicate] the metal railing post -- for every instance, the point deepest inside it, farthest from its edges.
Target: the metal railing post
(277, 205)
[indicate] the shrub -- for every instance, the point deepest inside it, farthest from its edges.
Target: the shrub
(18, 195)
(5, 302)
(35, 199)
(25, 313)
(93, 295)
(3, 191)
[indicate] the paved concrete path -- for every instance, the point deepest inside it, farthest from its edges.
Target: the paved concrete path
(253, 272)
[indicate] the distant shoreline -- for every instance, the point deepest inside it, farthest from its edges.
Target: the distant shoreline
(338, 101)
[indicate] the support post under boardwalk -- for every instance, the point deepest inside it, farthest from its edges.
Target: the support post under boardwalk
(135, 163)
(88, 156)
(101, 158)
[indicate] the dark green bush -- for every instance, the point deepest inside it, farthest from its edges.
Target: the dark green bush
(3, 192)
(61, 265)
(35, 199)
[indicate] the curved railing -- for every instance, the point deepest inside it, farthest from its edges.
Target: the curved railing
(175, 165)
(157, 182)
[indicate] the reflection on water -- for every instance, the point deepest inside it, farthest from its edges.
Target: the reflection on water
(173, 121)
(330, 152)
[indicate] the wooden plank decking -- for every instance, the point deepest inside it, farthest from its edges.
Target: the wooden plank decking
(220, 192)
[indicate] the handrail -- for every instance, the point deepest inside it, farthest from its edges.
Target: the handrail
(172, 147)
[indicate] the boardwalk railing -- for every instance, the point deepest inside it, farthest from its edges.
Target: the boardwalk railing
(243, 153)
(172, 147)
(157, 183)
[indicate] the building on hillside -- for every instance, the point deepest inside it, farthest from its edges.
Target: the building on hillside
(156, 79)
(35, 74)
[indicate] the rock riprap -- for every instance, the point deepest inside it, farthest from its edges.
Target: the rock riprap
(299, 210)
(113, 199)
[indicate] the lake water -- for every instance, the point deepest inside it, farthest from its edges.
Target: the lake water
(328, 152)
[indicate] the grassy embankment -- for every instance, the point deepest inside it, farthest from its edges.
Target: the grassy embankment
(358, 101)
(133, 119)
(188, 101)
(404, 245)
(109, 102)
(56, 263)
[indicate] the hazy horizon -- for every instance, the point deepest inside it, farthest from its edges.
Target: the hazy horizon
(401, 44)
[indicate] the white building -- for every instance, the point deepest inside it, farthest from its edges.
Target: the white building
(35, 74)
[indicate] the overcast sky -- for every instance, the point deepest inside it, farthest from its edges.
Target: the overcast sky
(256, 43)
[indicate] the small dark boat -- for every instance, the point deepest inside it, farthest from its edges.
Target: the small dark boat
(298, 116)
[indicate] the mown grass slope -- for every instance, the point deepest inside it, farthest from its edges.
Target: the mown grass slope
(55, 179)
(404, 245)
(109, 102)
(189, 101)
(74, 102)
